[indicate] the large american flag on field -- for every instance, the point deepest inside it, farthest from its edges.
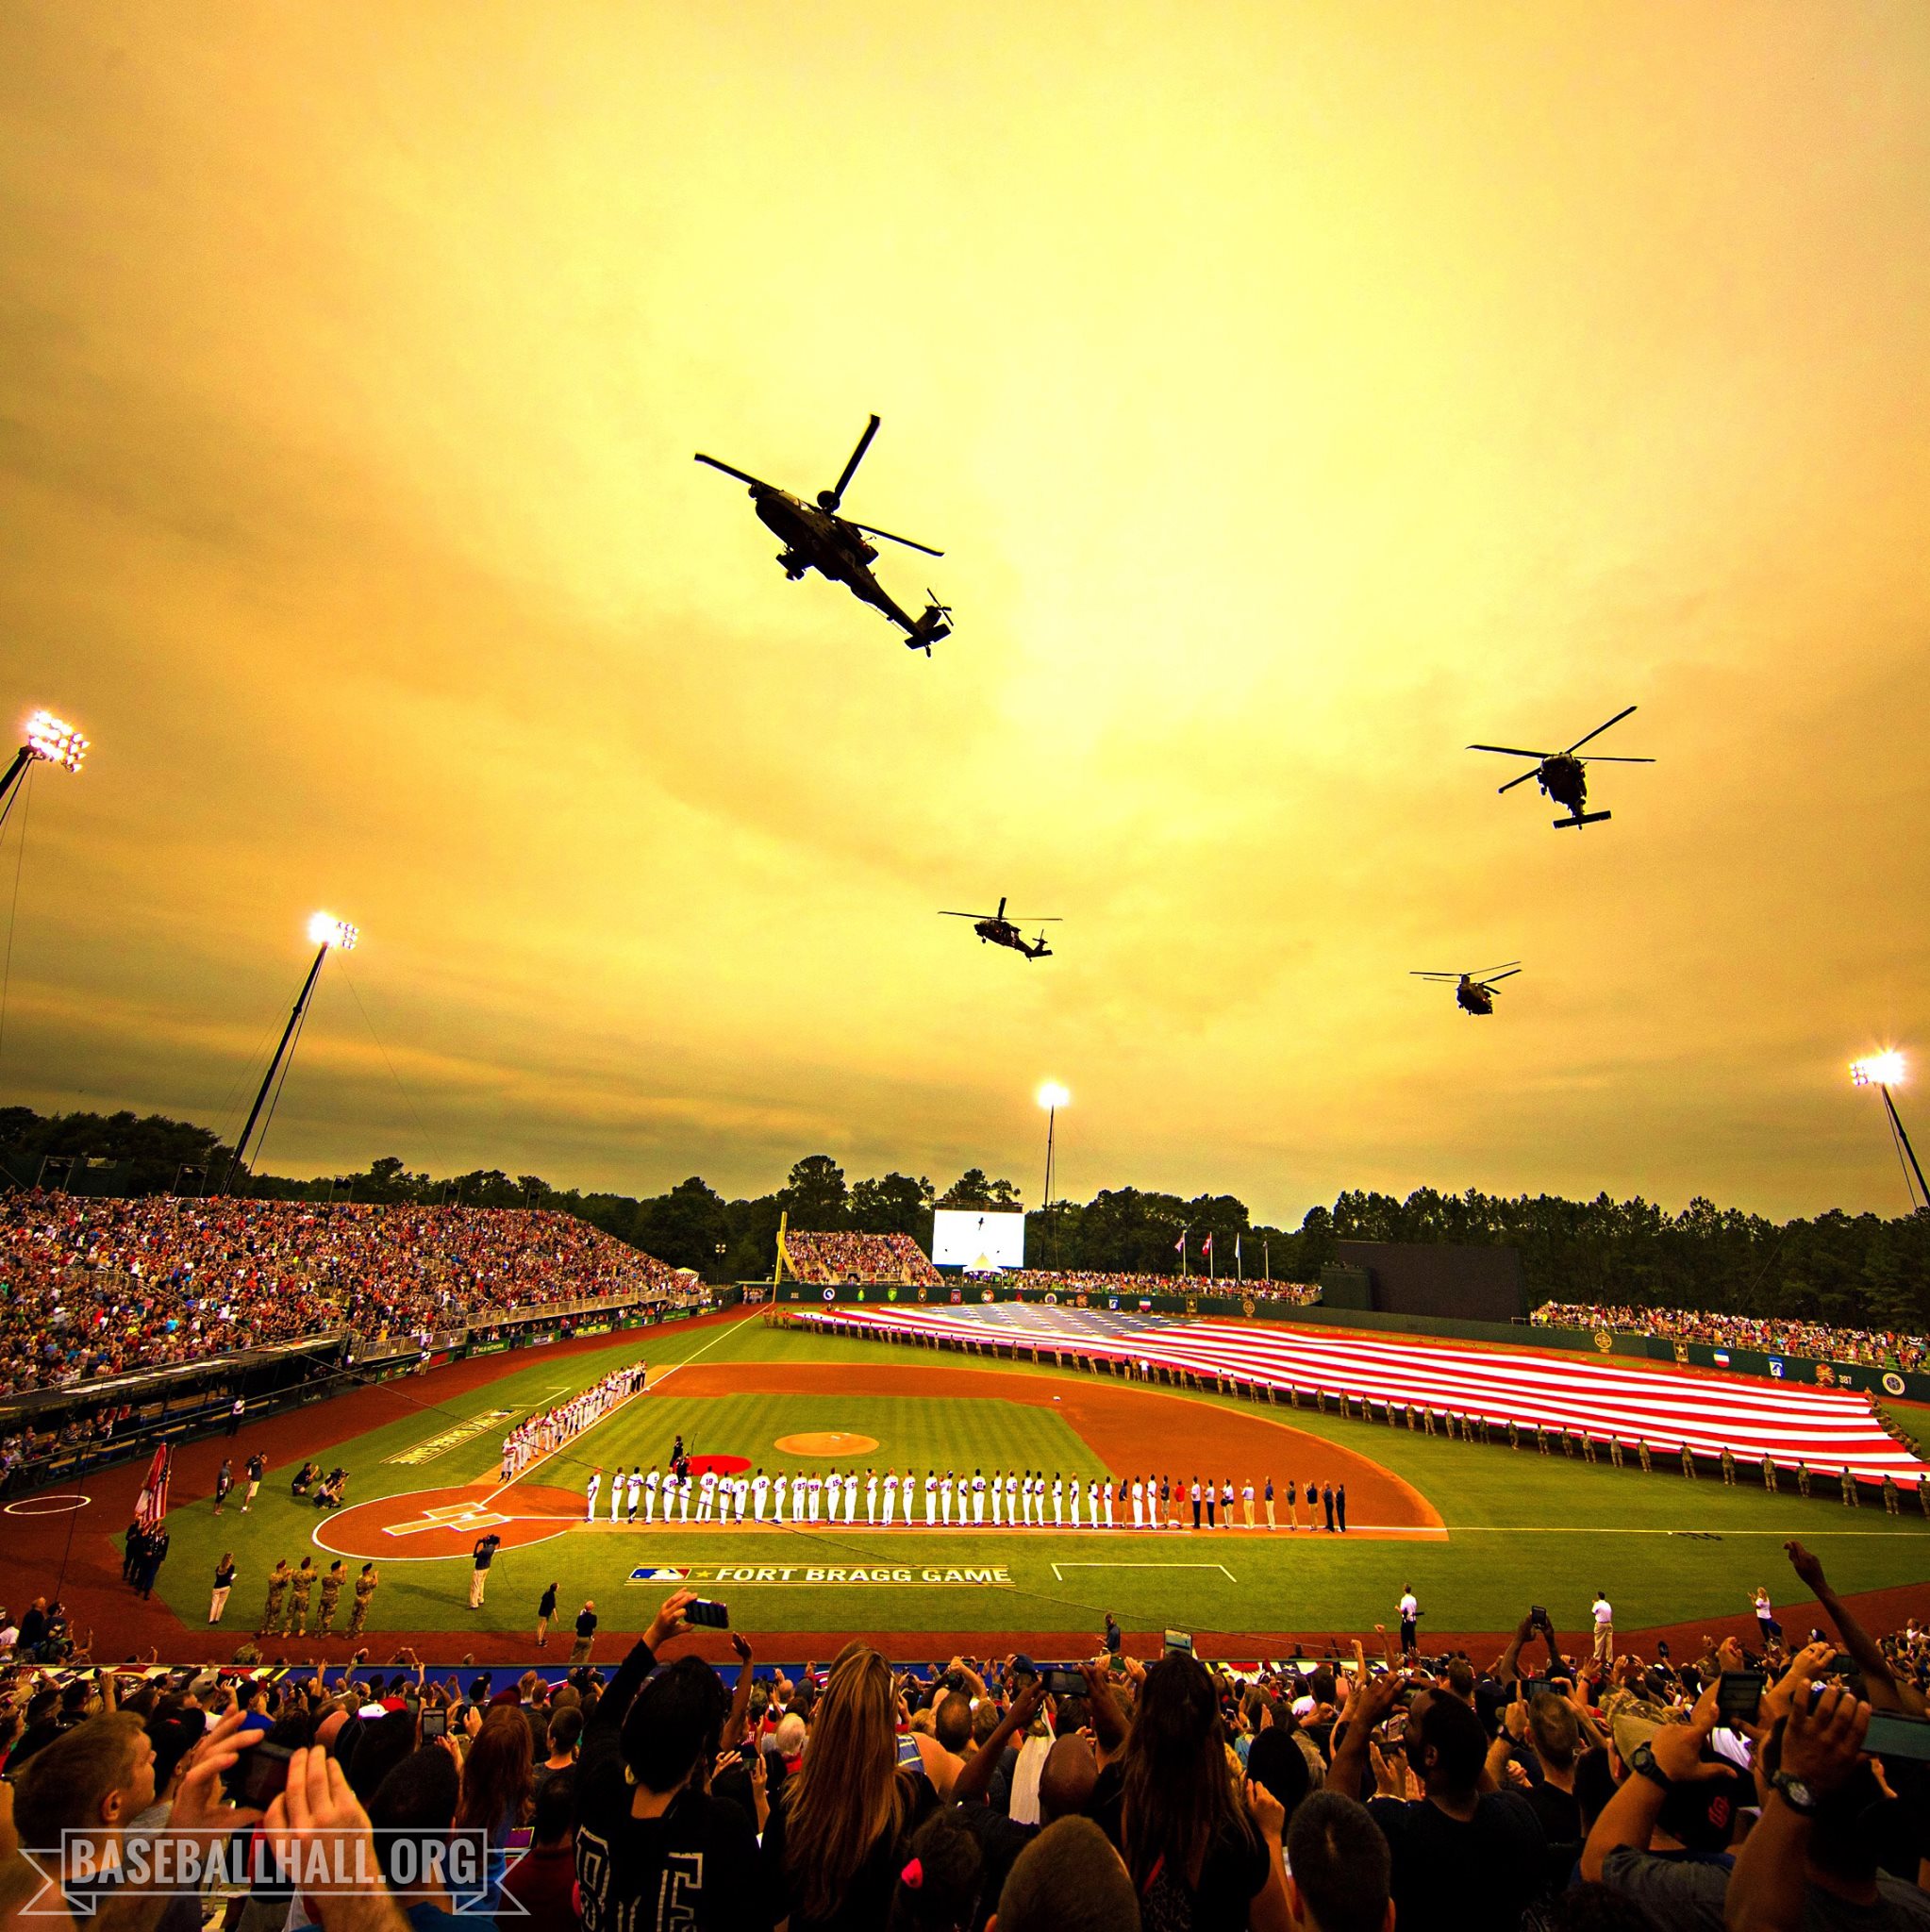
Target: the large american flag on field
(1708, 1410)
(151, 1506)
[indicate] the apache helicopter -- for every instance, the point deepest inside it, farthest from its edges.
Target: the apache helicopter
(817, 537)
(1475, 991)
(1001, 931)
(1562, 776)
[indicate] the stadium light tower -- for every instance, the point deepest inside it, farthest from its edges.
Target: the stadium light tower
(1884, 1071)
(1052, 1096)
(50, 741)
(324, 931)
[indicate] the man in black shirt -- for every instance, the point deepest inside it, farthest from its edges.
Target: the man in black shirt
(544, 1612)
(1464, 1860)
(585, 1632)
(481, 1557)
(654, 1849)
(1327, 1504)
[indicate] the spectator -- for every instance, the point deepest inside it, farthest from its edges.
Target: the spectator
(939, 1886)
(497, 1793)
(1194, 1853)
(1462, 1857)
(412, 1812)
(565, 1729)
(839, 1830)
(543, 1883)
(1069, 1879)
(651, 1839)
(1341, 1874)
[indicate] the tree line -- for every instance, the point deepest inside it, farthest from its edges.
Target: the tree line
(1852, 1271)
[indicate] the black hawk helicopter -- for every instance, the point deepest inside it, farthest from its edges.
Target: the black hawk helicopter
(1561, 775)
(817, 537)
(1475, 991)
(995, 928)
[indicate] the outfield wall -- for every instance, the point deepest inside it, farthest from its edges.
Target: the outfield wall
(1221, 1301)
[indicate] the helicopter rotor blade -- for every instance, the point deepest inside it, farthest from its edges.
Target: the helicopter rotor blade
(1489, 971)
(1433, 975)
(741, 476)
(1513, 782)
(1602, 758)
(1490, 980)
(1513, 751)
(836, 492)
(968, 915)
(1598, 730)
(872, 530)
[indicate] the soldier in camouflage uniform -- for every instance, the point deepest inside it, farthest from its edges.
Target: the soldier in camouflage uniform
(1728, 1467)
(365, 1588)
(278, 1592)
(1769, 1474)
(1802, 1478)
(331, 1595)
(302, 1589)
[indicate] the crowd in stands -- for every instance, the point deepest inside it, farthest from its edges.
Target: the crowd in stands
(827, 1258)
(1092, 1281)
(93, 1287)
(1770, 1335)
(1524, 1790)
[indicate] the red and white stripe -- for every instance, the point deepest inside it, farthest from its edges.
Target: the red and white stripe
(1828, 1428)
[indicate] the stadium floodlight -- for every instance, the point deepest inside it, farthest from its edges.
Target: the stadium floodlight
(50, 741)
(1052, 1096)
(56, 740)
(325, 931)
(1879, 1070)
(1884, 1071)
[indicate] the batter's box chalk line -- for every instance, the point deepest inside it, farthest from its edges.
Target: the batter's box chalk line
(1057, 1569)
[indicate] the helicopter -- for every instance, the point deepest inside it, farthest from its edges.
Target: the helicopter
(1000, 931)
(1562, 776)
(817, 537)
(1475, 991)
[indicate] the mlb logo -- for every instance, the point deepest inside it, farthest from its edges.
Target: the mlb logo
(659, 1573)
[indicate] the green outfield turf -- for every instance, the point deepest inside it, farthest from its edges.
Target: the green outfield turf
(1522, 1528)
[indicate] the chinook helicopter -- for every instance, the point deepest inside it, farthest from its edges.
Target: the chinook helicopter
(1475, 991)
(1561, 775)
(817, 537)
(996, 929)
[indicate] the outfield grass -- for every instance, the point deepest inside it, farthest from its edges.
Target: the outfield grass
(1523, 1528)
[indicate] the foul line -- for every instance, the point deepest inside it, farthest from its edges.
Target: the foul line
(1224, 1572)
(1807, 1532)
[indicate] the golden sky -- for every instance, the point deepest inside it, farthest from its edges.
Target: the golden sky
(1298, 393)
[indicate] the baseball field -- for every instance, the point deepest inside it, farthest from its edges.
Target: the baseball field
(1481, 1532)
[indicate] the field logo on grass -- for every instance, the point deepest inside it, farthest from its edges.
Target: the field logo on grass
(827, 1577)
(453, 1437)
(462, 1517)
(659, 1573)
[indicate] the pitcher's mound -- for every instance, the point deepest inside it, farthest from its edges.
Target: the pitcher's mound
(826, 1442)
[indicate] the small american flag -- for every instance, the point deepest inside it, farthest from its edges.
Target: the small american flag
(151, 1506)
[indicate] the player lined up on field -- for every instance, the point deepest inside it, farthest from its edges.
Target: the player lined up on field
(540, 1435)
(1008, 1499)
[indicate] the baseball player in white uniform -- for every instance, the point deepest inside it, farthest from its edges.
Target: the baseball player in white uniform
(760, 1494)
(851, 1495)
(1058, 1490)
(870, 1495)
(589, 1490)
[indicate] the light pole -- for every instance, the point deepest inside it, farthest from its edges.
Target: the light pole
(1884, 1071)
(324, 932)
(50, 741)
(1052, 1096)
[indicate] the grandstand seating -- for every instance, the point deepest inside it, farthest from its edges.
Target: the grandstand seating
(93, 1287)
(832, 1256)
(1812, 1341)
